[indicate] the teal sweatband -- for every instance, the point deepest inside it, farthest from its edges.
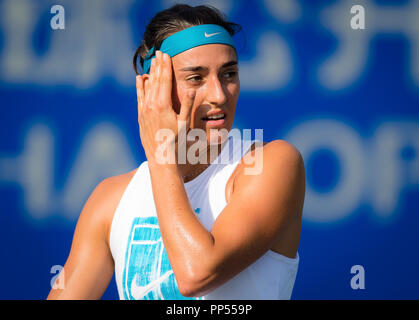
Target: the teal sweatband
(189, 38)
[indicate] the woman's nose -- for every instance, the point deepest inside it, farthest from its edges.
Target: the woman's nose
(215, 92)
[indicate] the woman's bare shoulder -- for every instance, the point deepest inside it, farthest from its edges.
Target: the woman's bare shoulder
(105, 198)
(269, 153)
(116, 185)
(275, 159)
(278, 147)
(110, 190)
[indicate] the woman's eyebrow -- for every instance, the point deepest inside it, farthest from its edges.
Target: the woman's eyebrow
(194, 68)
(229, 64)
(201, 68)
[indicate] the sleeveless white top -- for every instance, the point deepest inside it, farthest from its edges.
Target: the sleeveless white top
(142, 268)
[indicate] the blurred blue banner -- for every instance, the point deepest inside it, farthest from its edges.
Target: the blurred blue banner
(338, 79)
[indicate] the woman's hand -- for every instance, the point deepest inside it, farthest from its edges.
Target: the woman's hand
(159, 124)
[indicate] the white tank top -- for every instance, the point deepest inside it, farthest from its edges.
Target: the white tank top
(142, 268)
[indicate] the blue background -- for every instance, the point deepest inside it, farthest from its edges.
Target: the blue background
(347, 99)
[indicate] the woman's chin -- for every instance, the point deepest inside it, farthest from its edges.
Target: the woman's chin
(216, 132)
(217, 135)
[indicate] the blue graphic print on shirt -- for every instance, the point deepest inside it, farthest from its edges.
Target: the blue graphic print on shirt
(147, 272)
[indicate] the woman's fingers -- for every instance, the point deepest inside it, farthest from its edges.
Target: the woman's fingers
(140, 93)
(146, 82)
(165, 80)
(151, 81)
(186, 106)
(155, 86)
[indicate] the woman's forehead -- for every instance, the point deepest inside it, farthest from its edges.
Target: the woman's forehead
(210, 55)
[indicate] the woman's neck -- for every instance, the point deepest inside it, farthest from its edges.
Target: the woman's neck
(203, 158)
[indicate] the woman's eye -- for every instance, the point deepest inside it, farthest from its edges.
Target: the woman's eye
(195, 79)
(230, 74)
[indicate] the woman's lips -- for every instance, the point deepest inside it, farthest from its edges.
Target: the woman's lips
(215, 122)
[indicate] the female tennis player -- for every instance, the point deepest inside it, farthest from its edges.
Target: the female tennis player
(187, 229)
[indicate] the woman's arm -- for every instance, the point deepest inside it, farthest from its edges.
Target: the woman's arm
(89, 267)
(261, 207)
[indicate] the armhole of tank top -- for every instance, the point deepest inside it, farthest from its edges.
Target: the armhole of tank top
(282, 258)
(117, 214)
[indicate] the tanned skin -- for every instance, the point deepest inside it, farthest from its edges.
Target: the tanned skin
(263, 211)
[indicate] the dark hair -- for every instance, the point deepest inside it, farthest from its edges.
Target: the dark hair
(176, 18)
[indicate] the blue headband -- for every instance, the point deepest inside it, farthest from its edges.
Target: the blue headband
(190, 38)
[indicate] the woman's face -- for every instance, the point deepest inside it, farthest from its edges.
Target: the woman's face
(212, 70)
